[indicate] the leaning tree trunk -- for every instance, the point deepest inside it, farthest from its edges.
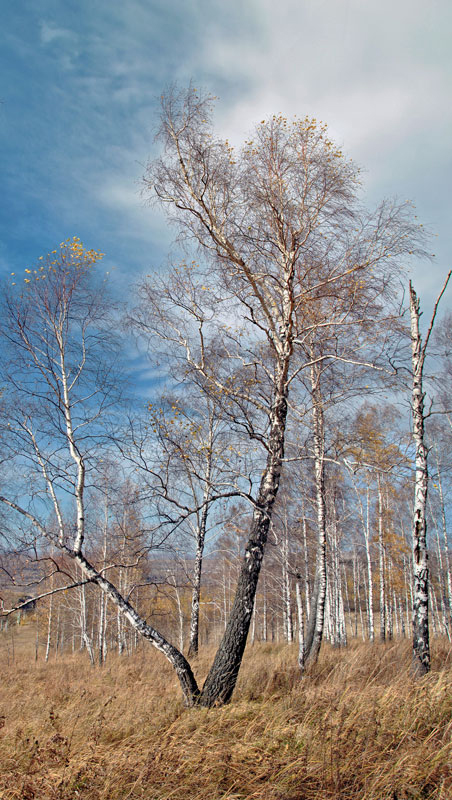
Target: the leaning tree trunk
(175, 657)
(222, 677)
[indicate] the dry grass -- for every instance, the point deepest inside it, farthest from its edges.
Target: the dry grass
(358, 727)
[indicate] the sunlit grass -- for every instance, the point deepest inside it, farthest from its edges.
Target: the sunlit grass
(357, 727)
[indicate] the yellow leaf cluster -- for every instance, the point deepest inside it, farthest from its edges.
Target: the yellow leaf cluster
(71, 254)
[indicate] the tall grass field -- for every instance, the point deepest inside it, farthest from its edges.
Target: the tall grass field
(358, 726)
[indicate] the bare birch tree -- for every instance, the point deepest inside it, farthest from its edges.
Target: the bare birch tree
(56, 332)
(184, 454)
(280, 230)
(421, 643)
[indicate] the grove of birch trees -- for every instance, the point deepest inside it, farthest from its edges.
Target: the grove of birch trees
(278, 485)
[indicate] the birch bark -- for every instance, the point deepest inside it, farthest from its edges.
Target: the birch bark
(316, 620)
(421, 644)
(381, 558)
(200, 543)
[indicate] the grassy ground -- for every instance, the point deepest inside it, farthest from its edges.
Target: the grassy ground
(357, 727)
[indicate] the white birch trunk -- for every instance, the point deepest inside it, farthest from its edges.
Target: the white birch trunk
(307, 588)
(316, 620)
(365, 523)
(434, 610)
(446, 552)
(421, 645)
(381, 556)
(49, 626)
(300, 624)
(355, 591)
(200, 542)
(287, 609)
(264, 610)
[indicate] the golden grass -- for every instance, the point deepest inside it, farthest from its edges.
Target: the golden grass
(357, 727)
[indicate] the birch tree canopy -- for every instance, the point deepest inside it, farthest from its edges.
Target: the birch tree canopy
(285, 250)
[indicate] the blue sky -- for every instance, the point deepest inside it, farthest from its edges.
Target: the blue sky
(80, 87)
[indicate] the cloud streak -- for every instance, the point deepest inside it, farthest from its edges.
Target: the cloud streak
(83, 81)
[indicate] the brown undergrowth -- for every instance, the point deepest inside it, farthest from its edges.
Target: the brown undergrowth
(357, 727)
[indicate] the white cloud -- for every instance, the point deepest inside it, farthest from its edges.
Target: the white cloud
(378, 73)
(50, 32)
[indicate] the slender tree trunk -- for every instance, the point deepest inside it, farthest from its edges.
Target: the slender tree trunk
(37, 635)
(121, 585)
(365, 522)
(196, 596)
(58, 632)
(355, 591)
(396, 612)
(264, 611)
(101, 637)
(408, 591)
(180, 614)
(85, 638)
(287, 604)
(300, 624)
(366, 597)
(316, 620)
(381, 555)
(200, 541)
(307, 587)
(342, 609)
(253, 625)
(389, 608)
(421, 644)
(225, 601)
(442, 588)
(49, 626)
(402, 618)
(446, 549)
(434, 610)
